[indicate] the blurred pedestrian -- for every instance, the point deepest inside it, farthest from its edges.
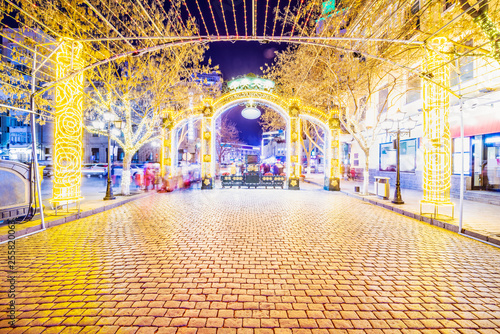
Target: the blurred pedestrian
(275, 169)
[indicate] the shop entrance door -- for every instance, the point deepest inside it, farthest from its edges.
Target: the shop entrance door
(491, 168)
(477, 161)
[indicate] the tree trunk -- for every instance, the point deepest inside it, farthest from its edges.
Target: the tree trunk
(126, 178)
(366, 174)
(308, 163)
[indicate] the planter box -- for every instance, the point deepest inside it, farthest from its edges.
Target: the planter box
(294, 183)
(332, 184)
(207, 183)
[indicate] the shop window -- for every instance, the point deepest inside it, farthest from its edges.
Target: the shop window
(362, 108)
(356, 160)
(457, 155)
(407, 156)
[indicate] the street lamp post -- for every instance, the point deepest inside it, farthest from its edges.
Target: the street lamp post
(397, 193)
(109, 185)
(398, 118)
(100, 125)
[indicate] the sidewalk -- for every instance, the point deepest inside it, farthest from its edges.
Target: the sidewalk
(480, 220)
(89, 206)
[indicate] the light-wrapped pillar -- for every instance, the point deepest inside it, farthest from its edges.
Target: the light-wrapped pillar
(207, 160)
(165, 158)
(68, 129)
(332, 162)
(437, 138)
(295, 148)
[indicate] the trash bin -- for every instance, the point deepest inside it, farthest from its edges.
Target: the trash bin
(382, 187)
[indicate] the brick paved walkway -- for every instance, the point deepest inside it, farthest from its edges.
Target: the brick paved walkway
(253, 261)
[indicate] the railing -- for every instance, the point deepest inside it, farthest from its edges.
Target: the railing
(253, 180)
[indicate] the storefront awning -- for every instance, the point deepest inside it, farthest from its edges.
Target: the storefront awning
(476, 122)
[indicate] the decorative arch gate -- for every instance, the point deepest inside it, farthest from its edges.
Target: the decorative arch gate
(291, 110)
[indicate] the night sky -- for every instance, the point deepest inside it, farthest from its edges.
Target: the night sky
(240, 58)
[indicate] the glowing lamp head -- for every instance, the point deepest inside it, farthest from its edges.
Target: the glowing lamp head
(250, 113)
(399, 116)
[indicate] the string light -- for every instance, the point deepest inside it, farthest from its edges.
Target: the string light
(224, 17)
(213, 18)
(190, 16)
(286, 17)
(246, 24)
(297, 17)
(178, 16)
(235, 21)
(202, 18)
(254, 18)
(276, 17)
(265, 18)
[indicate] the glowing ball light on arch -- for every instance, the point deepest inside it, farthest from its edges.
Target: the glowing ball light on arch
(252, 82)
(250, 112)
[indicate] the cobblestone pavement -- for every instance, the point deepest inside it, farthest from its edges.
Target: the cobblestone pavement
(253, 261)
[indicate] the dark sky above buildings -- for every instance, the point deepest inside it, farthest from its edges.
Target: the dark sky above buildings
(240, 58)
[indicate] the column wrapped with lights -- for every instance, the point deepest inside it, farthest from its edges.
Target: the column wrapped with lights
(68, 129)
(332, 161)
(437, 137)
(207, 143)
(166, 146)
(295, 135)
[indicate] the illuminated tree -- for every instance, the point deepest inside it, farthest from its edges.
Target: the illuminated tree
(313, 137)
(136, 90)
(138, 93)
(270, 120)
(481, 16)
(227, 136)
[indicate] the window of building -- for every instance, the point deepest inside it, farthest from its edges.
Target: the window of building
(95, 154)
(457, 155)
(414, 89)
(362, 108)
(383, 102)
(407, 156)
(466, 66)
(412, 19)
(414, 9)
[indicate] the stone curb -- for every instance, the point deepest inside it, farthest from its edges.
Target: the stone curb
(435, 222)
(75, 216)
